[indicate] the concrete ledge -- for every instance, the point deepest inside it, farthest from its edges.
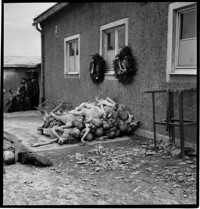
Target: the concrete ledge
(150, 135)
(22, 114)
(56, 146)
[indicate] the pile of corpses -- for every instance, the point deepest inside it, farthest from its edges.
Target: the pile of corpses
(99, 120)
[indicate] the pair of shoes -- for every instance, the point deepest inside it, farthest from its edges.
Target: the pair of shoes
(42, 161)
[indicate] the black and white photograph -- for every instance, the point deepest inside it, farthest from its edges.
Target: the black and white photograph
(100, 104)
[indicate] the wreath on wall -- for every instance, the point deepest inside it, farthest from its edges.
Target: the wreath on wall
(124, 65)
(97, 68)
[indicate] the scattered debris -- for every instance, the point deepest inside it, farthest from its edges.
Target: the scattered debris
(180, 179)
(119, 177)
(29, 183)
(135, 173)
(93, 183)
(97, 169)
(180, 174)
(136, 188)
(189, 161)
(149, 169)
(192, 179)
(182, 163)
(81, 162)
(95, 194)
(175, 152)
(84, 179)
(150, 153)
(91, 173)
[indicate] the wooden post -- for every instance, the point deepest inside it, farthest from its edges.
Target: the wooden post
(57, 107)
(181, 125)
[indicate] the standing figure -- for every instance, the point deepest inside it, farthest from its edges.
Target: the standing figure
(35, 93)
(21, 92)
(9, 98)
(27, 97)
(24, 80)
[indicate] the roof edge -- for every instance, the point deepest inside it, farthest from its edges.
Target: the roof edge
(46, 14)
(21, 65)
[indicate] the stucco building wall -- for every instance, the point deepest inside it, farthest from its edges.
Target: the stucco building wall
(147, 35)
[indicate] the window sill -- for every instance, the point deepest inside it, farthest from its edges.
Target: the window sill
(182, 72)
(188, 74)
(110, 75)
(72, 75)
(182, 75)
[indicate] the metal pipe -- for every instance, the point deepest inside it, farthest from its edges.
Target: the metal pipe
(181, 125)
(154, 119)
(172, 128)
(42, 91)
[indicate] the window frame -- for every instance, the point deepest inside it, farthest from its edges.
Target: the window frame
(109, 27)
(174, 12)
(67, 40)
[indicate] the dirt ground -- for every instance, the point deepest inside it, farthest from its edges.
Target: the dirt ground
(118, 173)
(121, 172)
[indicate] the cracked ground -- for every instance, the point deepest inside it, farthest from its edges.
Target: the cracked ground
(115, 173)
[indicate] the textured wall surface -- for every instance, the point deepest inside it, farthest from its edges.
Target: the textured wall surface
(148, 38)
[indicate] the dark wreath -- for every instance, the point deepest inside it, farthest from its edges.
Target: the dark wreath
(97, 68)
(124, 65)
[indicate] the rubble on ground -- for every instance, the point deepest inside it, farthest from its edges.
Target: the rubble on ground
(130, 163)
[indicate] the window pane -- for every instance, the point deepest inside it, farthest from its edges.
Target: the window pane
(104, 47)
(121, 38)
(109, 59)
(76, 57)
(71, 58)
(76, 42)
(111, 40)
(187, 54)
(188, 24)
(71, 49)
(71, 63)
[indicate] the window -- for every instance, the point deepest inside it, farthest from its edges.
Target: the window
(113, 36)
(72, 55)
(187, 39)
(182, 39)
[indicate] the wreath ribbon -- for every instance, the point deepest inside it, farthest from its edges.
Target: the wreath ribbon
(125, 73)
(97, 68)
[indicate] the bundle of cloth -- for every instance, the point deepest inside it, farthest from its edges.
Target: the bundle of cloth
(14, 151)
(99, 120)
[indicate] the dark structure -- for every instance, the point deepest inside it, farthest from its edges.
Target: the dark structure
(17, 68)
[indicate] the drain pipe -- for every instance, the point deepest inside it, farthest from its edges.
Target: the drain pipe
(42, 91)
